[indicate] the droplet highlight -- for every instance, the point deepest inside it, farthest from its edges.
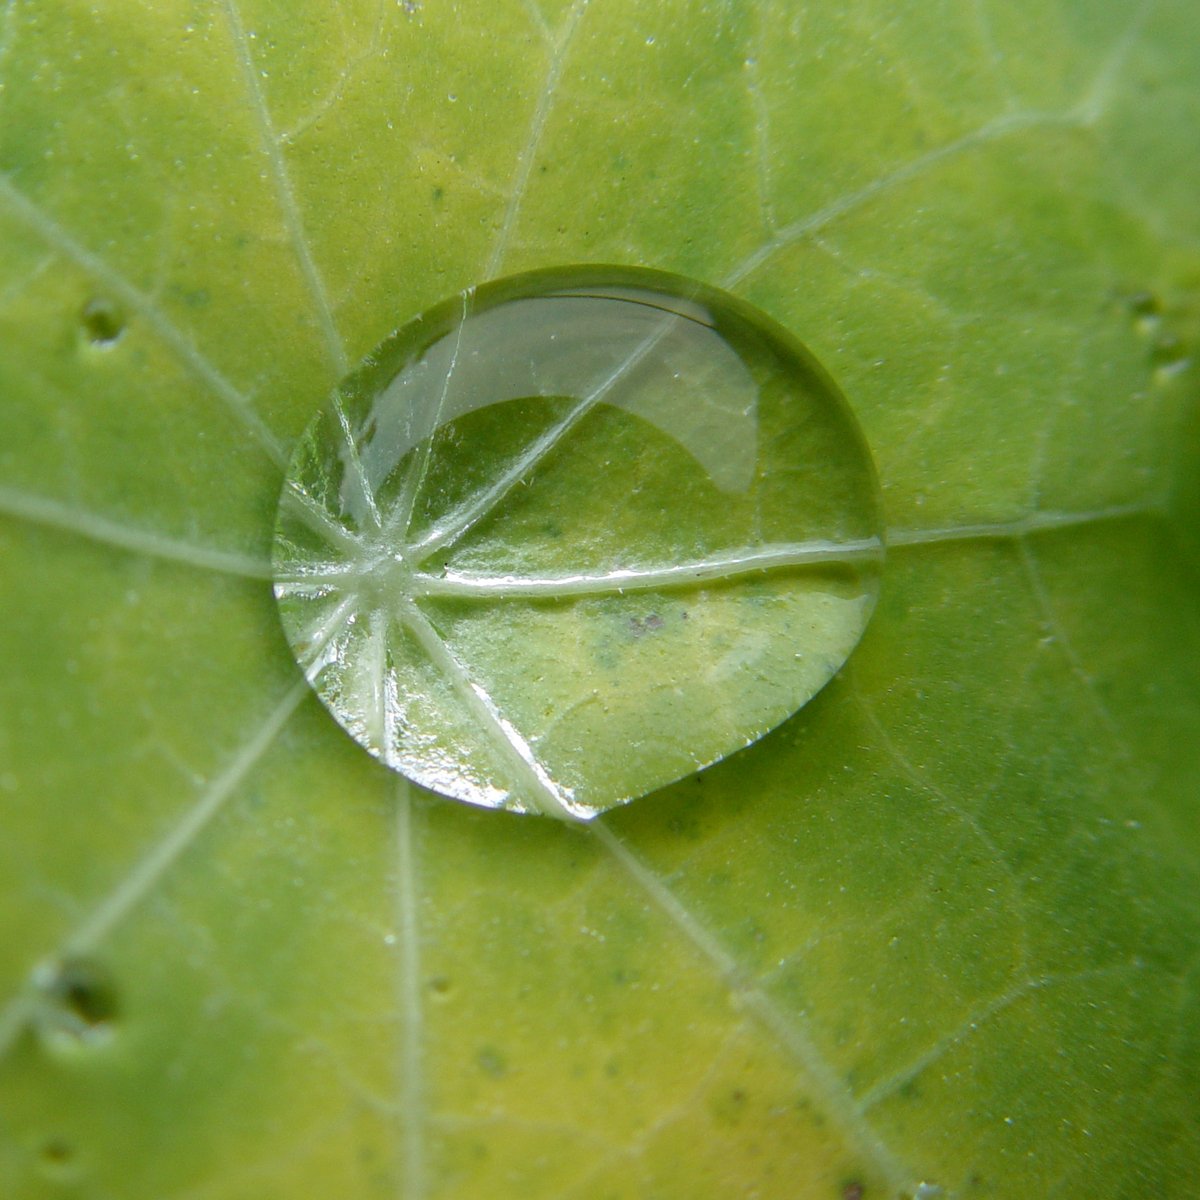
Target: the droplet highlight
(573, 535)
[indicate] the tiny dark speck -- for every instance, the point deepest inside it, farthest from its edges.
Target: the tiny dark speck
(654, 621)
(854, 1191)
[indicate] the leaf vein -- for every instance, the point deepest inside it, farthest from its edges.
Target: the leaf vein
(137, 301)
(537, 127)
(53, 514)
(148, 870)
(830, 1090)
(285, 193)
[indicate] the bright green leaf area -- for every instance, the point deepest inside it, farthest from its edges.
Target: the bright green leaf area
(942, 928)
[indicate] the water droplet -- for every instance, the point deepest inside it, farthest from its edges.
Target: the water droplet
(571, 535)
(103, 322)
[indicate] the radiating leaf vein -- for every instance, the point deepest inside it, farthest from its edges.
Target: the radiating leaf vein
(273, 147)
(187, 353)
(537, 126)
(832, 1094)
(148, 870)
(42, 510)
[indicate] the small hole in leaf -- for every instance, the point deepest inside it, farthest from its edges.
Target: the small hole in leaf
(80, 1001)
(57, 1158)
(103, 322)
(1144, 304)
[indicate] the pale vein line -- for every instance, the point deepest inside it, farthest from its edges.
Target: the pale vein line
(314, 514)
(684, 1107)
(989, 132)
(151, 868)
(17, 288)
(405, 507)
(462, 519)
(1034, 523)
(285, 192)
(319, 637)
(1099, 94)
(345, 76)
(55, 515)
(1055, 628)
(719, 568)
(321, 578)
(536, 16)
(411, 1066)
(967, 1028)
(991, 51)
(375, 662)
(830, 1091)
(534, 786)
(1084, 113)
(138, 302)
(162, 856)
(357, 471)
(537, 127)
(967, 818)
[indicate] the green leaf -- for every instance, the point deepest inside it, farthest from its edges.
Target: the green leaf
(939, 929)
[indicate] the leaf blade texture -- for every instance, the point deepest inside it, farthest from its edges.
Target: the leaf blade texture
(938, 930)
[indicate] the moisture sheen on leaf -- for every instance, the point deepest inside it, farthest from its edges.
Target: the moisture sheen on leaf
(573, 535)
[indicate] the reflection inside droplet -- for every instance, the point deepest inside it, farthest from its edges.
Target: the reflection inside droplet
(486, 537)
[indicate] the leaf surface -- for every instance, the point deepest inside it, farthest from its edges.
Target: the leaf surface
(941, 928)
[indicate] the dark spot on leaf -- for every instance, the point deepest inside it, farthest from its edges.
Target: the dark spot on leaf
(438, 193)
(82, 999)
(492, 1062)
(853, 1191)
(654, 621)
(440, 985)
(56, 1152)
(103, 322)
(730, 1108)
(1144, 303)
(57, 1159)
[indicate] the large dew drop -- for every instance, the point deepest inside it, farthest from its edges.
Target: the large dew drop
(574, 535)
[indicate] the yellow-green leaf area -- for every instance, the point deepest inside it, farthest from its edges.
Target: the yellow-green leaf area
(938, 932)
